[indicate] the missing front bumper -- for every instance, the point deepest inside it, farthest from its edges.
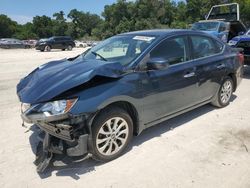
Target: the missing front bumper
(64, 135)
(53, 146)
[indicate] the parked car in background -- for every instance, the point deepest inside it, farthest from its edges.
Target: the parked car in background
(95, 103)
(80, 44)
(222, 21)
(92, 43)
(56, 42)
(8, 43)
(30, 42)
(89, 43)
(242, 41)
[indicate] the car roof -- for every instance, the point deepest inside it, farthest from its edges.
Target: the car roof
(61, 37)
(162, 33)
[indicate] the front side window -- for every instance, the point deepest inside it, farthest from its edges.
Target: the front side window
(173, 50)
(204, 46)
(122, 49)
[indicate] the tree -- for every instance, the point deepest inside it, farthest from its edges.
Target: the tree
(60, 26)
(119, 17)
(244, 11)
(25, 31)
(83, 23)
(7, 26)
(43, 26)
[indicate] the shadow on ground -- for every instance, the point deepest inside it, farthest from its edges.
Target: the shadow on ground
(75, 169)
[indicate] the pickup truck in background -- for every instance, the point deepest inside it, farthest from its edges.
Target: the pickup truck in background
(222, 21)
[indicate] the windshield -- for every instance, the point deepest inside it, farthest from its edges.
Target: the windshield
(122, 49)
(206, 26)
(42, 40)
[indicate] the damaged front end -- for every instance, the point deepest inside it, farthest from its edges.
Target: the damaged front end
(64, 132)
(53, 90)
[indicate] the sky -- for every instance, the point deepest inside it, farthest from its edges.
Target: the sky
(23, 11)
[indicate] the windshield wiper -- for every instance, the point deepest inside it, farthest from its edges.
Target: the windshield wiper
(96, 54)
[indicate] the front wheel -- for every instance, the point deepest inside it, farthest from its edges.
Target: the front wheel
(47, 48)
(224, 94)
(70, 47)
(112, 131)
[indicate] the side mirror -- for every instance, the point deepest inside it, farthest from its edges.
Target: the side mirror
(157, 64)
(241, 33)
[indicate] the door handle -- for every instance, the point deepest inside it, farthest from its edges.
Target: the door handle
(190, 74)
(220, 66)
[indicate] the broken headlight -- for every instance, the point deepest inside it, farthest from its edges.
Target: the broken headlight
(56, 107)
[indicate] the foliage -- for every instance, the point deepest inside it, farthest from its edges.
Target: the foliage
(119, 17)
(7, 26)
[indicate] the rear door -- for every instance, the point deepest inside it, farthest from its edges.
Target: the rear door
(173, 89)
(207, 55)
(57, 44)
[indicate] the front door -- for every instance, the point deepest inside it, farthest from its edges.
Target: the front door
(173, 89)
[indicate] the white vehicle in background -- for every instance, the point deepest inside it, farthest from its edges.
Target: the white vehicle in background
(80, 44)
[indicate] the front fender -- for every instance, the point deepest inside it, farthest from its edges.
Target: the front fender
(96, 98)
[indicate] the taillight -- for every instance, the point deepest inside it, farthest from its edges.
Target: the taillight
(241, 58)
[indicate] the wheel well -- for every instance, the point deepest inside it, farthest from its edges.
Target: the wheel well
(48, 45)
(232, 75)
(131, 110)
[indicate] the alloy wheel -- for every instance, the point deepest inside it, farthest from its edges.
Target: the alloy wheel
(112, 136)
(47, 48)
(70, 47)
(226, 91)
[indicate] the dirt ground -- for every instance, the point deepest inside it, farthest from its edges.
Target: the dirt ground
(204, 148)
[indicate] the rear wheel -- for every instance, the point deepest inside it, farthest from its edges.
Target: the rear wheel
(224, 94)
(112, 131)
(70, 47)
(47, 48)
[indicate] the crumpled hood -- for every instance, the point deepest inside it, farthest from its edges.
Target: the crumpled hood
(56, 77)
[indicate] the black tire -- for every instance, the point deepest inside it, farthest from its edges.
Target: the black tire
(42, 50)
(81, 46)
(113, 114)
(47, 48)
(69, 48)
(218, 99)
(63, 49)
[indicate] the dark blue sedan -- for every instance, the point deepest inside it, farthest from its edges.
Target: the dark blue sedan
(95, 102)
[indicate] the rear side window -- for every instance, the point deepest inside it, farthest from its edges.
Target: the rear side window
(58, 39)
(67, 38)
(174, 50)
(204, 46)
